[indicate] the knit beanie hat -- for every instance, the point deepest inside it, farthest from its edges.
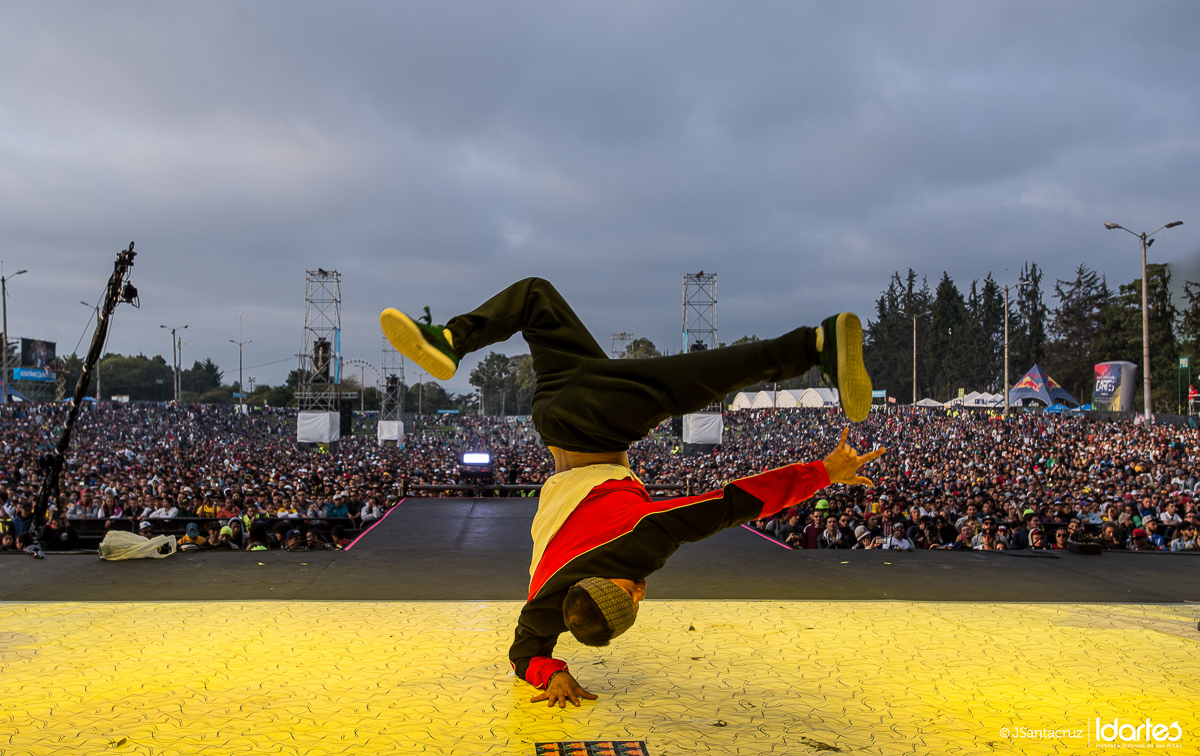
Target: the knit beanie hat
(616, 606)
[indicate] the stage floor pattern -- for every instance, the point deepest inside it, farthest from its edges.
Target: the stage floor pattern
(692, 677)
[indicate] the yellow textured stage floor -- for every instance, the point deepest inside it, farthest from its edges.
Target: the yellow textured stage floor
(726, 677)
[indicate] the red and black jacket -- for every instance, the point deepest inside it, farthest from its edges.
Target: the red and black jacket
(618, 531)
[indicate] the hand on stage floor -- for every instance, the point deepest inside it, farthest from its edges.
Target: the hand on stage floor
(843, 462)
(563, 688)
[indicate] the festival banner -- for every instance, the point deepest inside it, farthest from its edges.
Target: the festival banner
(1114, 386)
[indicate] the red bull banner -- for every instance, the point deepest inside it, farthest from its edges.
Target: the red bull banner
(1114, 386)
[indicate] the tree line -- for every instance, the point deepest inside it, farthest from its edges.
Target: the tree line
(960, 338)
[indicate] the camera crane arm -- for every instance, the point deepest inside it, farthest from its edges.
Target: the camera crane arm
(118, 290)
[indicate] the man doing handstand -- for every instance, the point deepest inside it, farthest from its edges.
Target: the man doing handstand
(597, 533)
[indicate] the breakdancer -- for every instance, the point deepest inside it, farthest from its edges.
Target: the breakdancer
(597, 534)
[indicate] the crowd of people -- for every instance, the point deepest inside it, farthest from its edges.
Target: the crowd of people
(951, 479)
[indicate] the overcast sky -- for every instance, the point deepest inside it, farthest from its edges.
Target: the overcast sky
(434, 152)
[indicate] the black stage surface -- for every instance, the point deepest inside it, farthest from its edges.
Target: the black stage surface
(479, 549)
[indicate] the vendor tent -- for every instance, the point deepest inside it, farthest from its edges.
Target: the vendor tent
(1037, 386)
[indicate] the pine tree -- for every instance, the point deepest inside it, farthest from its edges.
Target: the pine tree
(1075, 328)
(990, 318)
(952, 342)
(1027, 325)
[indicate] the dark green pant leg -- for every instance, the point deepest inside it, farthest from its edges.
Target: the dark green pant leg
(584, 401)
(557, 338)
(609, 404)
(559, 343)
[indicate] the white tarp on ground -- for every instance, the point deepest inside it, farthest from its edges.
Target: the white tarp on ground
(390, 430)
(703, 428)
(318, 427)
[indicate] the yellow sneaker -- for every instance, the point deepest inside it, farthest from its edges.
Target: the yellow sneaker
(424, 343)
(842, 361)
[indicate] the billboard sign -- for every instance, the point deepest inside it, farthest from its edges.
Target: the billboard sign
(32, 374)
(37, 354)
(1114, 386)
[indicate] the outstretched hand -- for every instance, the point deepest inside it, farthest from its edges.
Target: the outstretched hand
(843, 462)
(563, 688)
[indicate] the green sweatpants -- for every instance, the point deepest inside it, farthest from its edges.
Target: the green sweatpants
(586, 402)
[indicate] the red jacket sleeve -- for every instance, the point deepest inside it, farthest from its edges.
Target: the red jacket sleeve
(783, 487)
(540, 668)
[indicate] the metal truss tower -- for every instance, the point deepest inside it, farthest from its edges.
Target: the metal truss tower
(321, 355)
(392, 401)
(699, 311)
(619, 342)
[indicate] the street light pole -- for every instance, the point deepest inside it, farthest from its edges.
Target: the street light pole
(240, 343)
(927, 312)
(1147, 240)
(4, 305)
(174, 359)
(179, 369)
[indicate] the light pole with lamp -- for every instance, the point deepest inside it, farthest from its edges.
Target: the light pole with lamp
(1020, 284)
(4, 300)
(914, 317)
(174, 359)
(179, 374)
(1147, 240)
(240, 344)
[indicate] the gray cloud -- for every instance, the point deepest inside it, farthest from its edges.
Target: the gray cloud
(433, 152)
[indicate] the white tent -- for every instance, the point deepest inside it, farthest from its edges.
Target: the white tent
(787, 399)
(819, 397)
(977, 399)
(763, 400)
(929, 403)
(742, 401)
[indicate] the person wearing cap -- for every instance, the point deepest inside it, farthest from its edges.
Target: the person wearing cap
(1138, 541)
(191, 539)
(145, 529)
(863, 538)
(898, 539)
(590, 575)
(989, 526)
(597, 533)
(1153, 537)
(1037, 541)
(1029, 523)
(294, 541)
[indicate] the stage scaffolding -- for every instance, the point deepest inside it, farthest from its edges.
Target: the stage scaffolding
(699, 311)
